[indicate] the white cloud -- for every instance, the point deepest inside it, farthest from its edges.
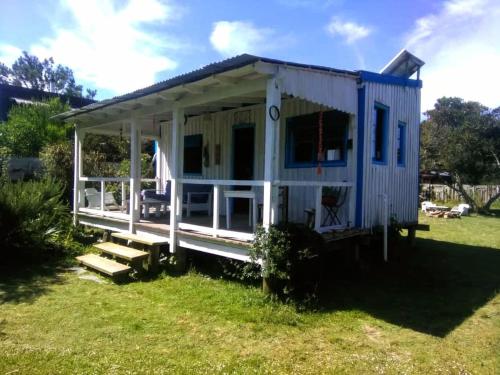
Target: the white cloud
(108, 46)
(9, 54)
(460, 46)
(350, 31)
(231, 38)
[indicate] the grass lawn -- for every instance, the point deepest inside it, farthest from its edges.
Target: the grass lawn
(435, 310)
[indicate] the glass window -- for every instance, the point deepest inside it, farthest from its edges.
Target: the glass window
(193, 154)
(302, 140)
(401, 144)
(379, 133)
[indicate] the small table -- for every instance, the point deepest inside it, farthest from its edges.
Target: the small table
(147, 203)
(252, 210)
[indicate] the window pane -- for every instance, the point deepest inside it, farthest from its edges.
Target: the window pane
(379, 133)
(303, 138)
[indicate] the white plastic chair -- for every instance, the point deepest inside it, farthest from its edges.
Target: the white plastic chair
(462, 209)
(426, 205)
(94, 199)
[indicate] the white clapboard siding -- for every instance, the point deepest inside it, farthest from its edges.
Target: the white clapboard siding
(399, 183)
(217, 128)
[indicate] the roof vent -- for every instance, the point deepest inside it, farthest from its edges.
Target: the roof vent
(403, 65)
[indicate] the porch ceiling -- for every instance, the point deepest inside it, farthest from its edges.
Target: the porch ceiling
(234, 83)
(233, 89)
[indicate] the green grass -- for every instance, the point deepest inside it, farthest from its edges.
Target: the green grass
(432, 310)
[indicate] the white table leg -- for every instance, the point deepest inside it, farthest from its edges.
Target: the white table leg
(228, 214)
(254, 213)
(249, 213)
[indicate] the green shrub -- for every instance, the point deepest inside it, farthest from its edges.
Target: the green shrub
(34, 220)
(57, 161)
(291, 255)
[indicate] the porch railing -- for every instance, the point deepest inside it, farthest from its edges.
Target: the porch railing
(104, 197)
(215, 230)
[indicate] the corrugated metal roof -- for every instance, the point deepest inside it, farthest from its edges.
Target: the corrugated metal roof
(196, 75)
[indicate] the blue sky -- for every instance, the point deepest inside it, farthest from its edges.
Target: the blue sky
(122, 45)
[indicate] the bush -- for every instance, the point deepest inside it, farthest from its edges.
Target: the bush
(34, 221)
(291, 255)
(57, 161)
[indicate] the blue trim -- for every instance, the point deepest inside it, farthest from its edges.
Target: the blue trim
(359, 158)
(385, 135)
(365, 76)
(289, 146)
(401, 161)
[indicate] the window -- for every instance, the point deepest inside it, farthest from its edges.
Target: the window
(302, 140)
(193, 154)
(401, 144)
(379, 133)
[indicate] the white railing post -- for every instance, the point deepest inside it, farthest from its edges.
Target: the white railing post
(124, 198)
(317, 208)
(135, 174)
(216, 210)
(175, 167)
(103, 187)
(273, 105)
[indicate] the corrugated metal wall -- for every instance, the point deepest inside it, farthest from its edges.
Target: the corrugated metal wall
(217, 128)
(399, 183)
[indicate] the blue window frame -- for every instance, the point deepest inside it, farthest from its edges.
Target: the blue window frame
(302, 140)
(193, 154)
(401, 144)
(380, 133)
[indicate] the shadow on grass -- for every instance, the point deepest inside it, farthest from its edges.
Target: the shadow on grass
(21, 283)
(432, 290)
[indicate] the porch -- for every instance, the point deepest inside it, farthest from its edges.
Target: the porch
(196, 126)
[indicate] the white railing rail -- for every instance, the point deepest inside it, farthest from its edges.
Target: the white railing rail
(215, 231)
(103, 196)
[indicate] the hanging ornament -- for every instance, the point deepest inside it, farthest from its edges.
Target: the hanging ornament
(321, 154)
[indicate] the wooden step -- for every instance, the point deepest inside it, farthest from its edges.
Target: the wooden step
(120, 251)
(146, 240)
(107, 266)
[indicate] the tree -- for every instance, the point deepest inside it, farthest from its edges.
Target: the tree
(30, 127)
(463, 138)
(28, 71)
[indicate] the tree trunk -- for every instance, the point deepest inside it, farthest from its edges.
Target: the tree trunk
(460, 189)
(487, 206)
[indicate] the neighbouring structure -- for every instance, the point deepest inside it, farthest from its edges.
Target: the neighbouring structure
(16, 95)
(252, 141)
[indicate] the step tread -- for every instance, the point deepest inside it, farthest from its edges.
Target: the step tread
(107, 266)
(121, 251)
(146, 240)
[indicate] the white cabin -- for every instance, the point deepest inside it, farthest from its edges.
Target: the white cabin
(267, 141)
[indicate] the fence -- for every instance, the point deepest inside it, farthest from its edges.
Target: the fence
(481, 193)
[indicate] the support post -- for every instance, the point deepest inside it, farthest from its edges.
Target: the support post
(175, 166)
(78, 199)
(270, 208)
(135, 174)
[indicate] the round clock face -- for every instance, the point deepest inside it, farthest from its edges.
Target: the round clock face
(274, 113)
